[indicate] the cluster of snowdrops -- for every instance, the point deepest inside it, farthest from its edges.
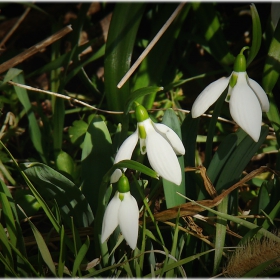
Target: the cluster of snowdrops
(247, 100)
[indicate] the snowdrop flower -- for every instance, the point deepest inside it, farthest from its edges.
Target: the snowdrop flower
(246, 98)
(160, 143)
(123, 211)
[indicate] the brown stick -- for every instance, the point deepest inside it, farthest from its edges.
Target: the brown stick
(34, 49)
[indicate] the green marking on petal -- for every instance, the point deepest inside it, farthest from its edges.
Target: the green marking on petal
(123, 186)
(121, 196)
(233, 79)
(142, 131)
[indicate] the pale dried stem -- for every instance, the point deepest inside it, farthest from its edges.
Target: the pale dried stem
(150, 46)
(74, 100)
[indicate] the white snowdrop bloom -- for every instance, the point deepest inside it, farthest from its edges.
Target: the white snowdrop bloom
(247, 99)
(122, 210)
(160, 143)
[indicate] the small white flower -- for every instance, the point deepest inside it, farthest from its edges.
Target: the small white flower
(160, 143)
(246, 97)
(123, 211)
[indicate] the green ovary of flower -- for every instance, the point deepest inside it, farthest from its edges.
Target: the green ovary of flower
(141, 113)
(123, 186)
(240, 61)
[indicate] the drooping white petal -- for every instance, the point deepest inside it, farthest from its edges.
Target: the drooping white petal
(245, 107)
(161, 155)
(171, 136)
(128, 219)
(125, 152)
(110, 219)
(262, 96)
(208, 96)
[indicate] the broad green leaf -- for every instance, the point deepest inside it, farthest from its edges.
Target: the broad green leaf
(257, 34)
(170, 189)
(155, 69)
(238, 160)
(119, 47)
(52, 185)
(211, 29)
(189, 135)
(77, 132)
(11, 74)
(96, 159)
(221, 156)
(65, 164)
(270, 77)
(263, 199)
(212, 128)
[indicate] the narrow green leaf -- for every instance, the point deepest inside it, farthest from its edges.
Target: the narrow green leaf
(80, 256)
(42, 246)
(180, 262)
(172, 198)
(259, 269)
(25, 263)
(220, 237)
(61, 259)
(174, 247)
(8, 267)
(5, 247)
(131, 164)
(242, 222)
(140, 93)
(34, 130)
(272, 215)
(9, 218)
(257, 34)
